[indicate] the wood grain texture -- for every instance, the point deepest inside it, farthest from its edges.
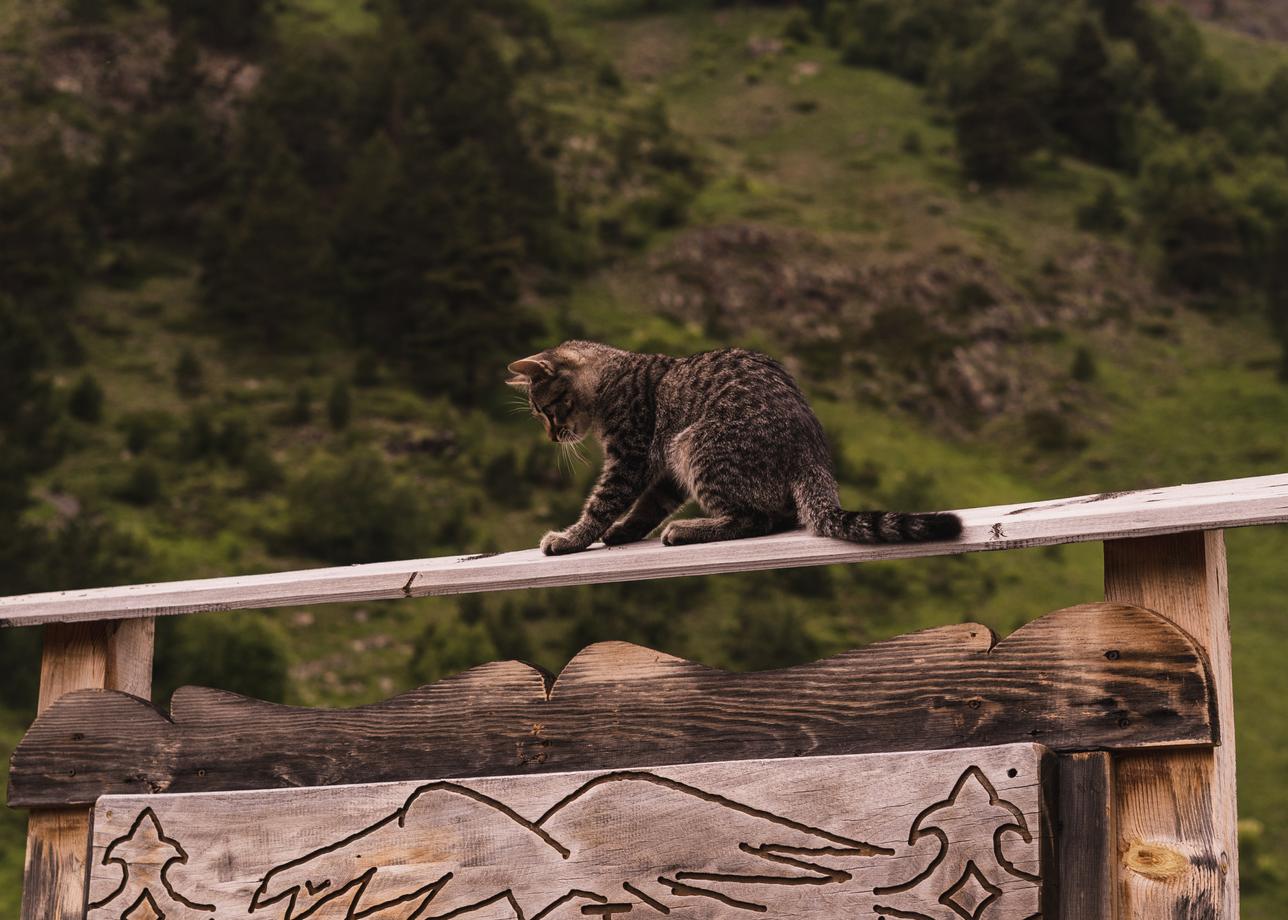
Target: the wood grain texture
(77, 656)
(1177, 814)
(935, 835)
(1087, 838)
(1095, 676)
(1233, 503)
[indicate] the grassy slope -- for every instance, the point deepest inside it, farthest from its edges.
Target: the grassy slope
(1193, 400)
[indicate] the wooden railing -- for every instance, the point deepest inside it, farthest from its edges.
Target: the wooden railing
(1170, 812)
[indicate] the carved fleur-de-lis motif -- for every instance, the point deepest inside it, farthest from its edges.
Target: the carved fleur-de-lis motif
(145, 856)
(968, 875)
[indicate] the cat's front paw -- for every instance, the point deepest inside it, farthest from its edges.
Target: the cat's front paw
(559, 542)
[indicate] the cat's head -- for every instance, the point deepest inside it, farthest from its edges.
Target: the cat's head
(560, 384)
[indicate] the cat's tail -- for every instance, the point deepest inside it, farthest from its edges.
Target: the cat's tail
(819, 511)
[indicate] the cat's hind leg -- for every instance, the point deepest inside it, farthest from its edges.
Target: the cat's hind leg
(724, 527)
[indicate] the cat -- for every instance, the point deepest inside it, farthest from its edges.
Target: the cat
(728, 428)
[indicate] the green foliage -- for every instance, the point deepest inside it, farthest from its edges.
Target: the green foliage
(232, 439)
(26, 417)
(353, 509)
(159, 187)
(189, 376)
(141, 429)
(1106, 213)
(447, 646)
(763, 635)
(300, 411)
(1096, 98)
(44, 252)
(1197, 220)
(798, 28)
(142, 486)
(339, 406)
(197, 439)
(263, 472)
(239, 651)
(998, 99)
(232, 25)
(86, 400)
(266, 253)
(504, 481)
(1084, 366)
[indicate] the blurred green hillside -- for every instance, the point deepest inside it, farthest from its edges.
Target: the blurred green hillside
(260, 276)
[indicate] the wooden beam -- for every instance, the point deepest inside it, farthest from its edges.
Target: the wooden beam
(948, 834)
(77, 656)
(1095, 676)
(1109, 515)
(1087, 838)
(1177, 811)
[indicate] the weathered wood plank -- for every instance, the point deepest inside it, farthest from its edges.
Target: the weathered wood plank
(1233, 503)
(1177, 814)
(1096, 676)
(77, 656)
(936, 835)
(1087, 838)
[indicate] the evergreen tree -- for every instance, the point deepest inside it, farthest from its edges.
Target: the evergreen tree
(1277, 291)
(444, 205)
(44, 253)
(233, 25)
(1093, 107)
(266, 252)
(174, 166)
(26, 418)
(998, 103)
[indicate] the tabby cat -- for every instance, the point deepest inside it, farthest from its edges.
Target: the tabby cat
(729, 428)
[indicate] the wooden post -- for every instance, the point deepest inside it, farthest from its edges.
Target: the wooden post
(114, 655)
(1177, 815)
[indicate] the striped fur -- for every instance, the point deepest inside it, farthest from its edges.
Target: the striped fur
(729, 429)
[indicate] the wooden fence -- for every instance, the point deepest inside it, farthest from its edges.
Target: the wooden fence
(1081, 767)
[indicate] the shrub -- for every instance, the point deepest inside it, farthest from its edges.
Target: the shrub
(608, 77)
(797, 28)
(338, 406)
(198, 438)
(503, 481)
(141, 429)
(142, 486)
(189, 375)
(243, 652)
(232, 439)
(1084, 366)
(447, 646)
(353, 509)
(1049, 431)
(1104, 213)
(86, 400)
(366, 372)
(263, 473)
(300, 411)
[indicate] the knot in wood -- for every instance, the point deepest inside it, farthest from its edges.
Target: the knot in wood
(1155, 861)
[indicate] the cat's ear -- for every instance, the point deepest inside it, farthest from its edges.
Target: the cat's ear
(532, 368)
(519, 382)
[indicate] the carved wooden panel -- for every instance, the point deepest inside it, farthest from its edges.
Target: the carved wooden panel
(1099, 676)
(945, 835)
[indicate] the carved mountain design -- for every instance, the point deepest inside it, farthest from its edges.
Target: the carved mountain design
(927, 835)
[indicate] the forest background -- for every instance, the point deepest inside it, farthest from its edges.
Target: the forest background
(262, 264)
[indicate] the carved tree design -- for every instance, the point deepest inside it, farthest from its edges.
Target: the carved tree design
(146, 855)
(966, 878)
